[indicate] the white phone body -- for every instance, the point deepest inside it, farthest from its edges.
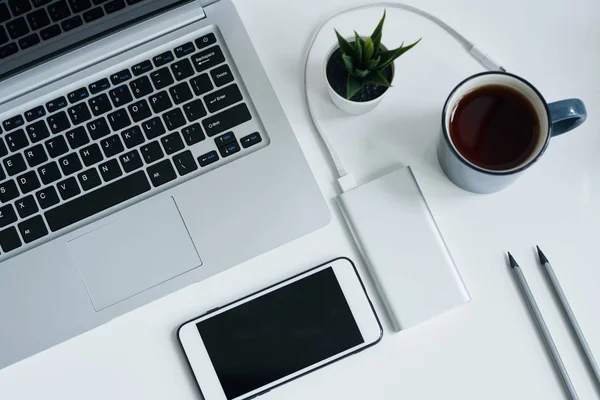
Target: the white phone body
(354, 293)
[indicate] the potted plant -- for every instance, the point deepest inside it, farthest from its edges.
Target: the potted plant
(360, 70)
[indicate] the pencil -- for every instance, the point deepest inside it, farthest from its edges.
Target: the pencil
(543, 329)
(570, 315)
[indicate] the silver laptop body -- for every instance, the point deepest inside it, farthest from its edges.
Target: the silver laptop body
(159, 185)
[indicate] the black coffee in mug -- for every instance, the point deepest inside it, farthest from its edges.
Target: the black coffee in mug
(495, 127)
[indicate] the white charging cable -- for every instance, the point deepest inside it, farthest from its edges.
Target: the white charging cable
(345, 180)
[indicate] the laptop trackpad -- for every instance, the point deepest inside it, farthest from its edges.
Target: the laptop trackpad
(135, 253)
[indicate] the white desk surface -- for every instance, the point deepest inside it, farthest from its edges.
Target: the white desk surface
(488, 349)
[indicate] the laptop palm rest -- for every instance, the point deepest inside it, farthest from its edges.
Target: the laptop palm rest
(133, 254)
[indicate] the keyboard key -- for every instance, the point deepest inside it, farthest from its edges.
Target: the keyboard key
(151, 152)
(98, 128)
(225, 139)
(100, 104)
(132, 2)
(59, 122)
(222, 98)
(131, 161)
(13, 123)
(36, 155)
(208, 158)
(181, 93)
(172, 143)
(39, 3)
(80, 5)
(99, 86)
(3, 35)
(28, 41)
(110, 170)
(47, 197)
(185, 163)
(2, 174)
(7, 215)
(38, 19)
(194, 110)
(111, 146)
(56, 104)
(142, 67)
(132, 137)
(77, 137)
(26, 206)
(56, 146)
(8, 191)
(14, 164)
(141, 87)
(33, 229)
(139, 110)
(201, 84)
(114, 6)
(93, 14)
(161, 173)
(4, 13)
(250, 140)
(17, 28)
(205, 41)
(163, 59)
(174, 119)
(9, 239)
(19, 7)
(71, 23)
(120, 95)
(192, 134)
(59, 10)
(77, 95)
(226, 120)
(182, 69)
(185, 49)
(16, 140)
(120, 77)
(91, 154)
(79, 113)
(28, 182)
(119, 119)
(89, 179)
(229, 149)
(35, 113)
(161, 78)
(208, 58)
(49, 173)
(68, 188)
(97, 201)
(160, 102)
(70, 164)
(154, 128)
(50, 32)
(221, 75)
(8, 50)
(3, 149)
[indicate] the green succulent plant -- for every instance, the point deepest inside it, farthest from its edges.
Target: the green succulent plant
(365, 59)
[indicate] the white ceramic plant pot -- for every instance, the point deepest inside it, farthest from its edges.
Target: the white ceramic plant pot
(348, 106)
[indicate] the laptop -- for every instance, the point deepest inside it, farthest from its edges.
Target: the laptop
(142, 149)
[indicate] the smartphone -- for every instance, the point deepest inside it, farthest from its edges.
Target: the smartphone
(248, 347)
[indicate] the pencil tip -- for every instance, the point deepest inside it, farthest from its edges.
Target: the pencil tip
(512, 261)
(543, 258)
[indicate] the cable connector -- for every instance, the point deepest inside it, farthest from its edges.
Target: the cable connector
(346, 183)
(485, 60)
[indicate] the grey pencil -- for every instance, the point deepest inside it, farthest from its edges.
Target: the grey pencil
(543, 329)
(570, 315)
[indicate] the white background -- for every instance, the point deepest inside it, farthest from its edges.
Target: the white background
(488, 349)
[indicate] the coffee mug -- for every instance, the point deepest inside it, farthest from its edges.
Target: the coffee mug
(487, 103)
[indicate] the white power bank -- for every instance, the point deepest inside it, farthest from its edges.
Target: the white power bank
(403, 249)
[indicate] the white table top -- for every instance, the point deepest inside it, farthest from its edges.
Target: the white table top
(487, 349)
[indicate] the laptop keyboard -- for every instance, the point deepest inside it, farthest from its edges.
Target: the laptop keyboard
(27, 23)
(122, 136)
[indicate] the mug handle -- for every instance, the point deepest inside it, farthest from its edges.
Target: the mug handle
(566, 115)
